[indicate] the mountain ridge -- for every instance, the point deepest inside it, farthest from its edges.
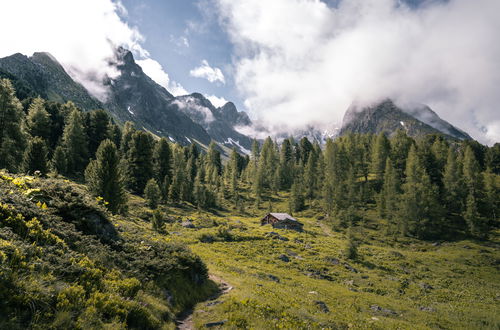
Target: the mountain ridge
(387, 117)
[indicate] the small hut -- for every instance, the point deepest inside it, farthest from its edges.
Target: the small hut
(281, 220)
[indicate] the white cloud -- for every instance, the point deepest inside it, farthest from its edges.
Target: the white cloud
(155, 71)
(194, 110)
(81, 34)
(300, 62)
(216, 101)
(205, 71)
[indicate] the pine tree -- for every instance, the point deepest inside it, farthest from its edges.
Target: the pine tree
(176, 188)
(351, 250)
(474, 206)
(400, 146)
(473, 218)
(104, 177)
(12, 137)
(296, 200)
(380, 151)
(38, 119)
(74, 141)
(389, 196)
(59, 164)
(162, 165)
(420, 214)
(267, 163)
(158, 222)
(286, 165)
(233, 172)
(152, 193)
(139, 164)
(97, 129)
(214, 160)
(492, 196)
(310, 178)
(35, 156)
(453, 185)
(127, 132)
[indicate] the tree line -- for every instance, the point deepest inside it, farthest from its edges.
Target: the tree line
(429, 187)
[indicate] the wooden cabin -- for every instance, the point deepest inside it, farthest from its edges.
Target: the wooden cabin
(281, 220)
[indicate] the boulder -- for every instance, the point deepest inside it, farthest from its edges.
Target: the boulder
(322, 306)
(284, 258)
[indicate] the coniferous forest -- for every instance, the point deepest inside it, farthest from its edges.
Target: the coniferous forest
(71, 180)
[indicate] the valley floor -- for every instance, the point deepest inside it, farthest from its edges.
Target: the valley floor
(293, 280)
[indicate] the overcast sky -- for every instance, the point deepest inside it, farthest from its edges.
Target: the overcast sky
(289, 63)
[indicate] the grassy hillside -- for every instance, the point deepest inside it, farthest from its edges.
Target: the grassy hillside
(303, 280)
(66, 263)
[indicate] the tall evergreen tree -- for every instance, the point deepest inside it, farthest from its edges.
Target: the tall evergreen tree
(12, 137)
(74, 142)
(104, 177)
(419, 209)
(453, 184)
(162, 165)
(152, 193)
(296, 200)
(59, 163)
(97, 129)
(139, 161)
(380, 151)
(126, 138)
(38, 120)
(389, 197)
(287, 162)
(35, 156)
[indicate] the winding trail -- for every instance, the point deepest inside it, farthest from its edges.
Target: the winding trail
(185, 320)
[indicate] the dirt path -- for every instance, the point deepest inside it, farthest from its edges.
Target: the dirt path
(185, 320)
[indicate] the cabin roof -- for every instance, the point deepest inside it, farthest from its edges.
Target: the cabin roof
(283, 216)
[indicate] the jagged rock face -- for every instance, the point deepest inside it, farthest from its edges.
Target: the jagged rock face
(44, 76)
(232, 116)
(386, 117)
(132, 96)
(220, 122)
(136, 97)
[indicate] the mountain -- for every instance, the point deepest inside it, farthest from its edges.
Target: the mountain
(132, 96)
(219, 122)
(136, 97)
(41, 75)
(416, 120)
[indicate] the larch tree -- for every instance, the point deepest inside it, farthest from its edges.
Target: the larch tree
(152, 193)
(74, 142)
(35, 156)
(38, 120)
(12, 136)
(105, 179)
(139, 164)
(162, 165)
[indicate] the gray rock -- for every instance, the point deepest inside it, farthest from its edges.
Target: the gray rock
(381, 310)
(188, 224)
(349, 267)
(273, 278)
(333, 261)
(322, 306)
(275, 235)
(425, 286)
(215, 324)
(284, 258)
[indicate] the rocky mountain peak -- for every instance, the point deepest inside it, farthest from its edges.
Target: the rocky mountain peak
(387, 117)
